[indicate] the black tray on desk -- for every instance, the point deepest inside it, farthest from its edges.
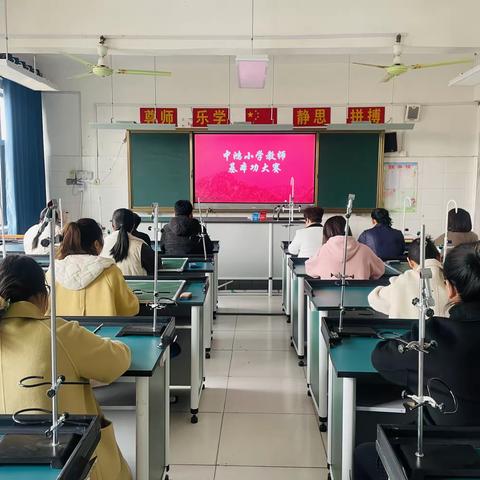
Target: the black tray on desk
(450, 452)
(24, 444)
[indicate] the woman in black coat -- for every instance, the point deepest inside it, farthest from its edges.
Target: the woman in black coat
(455, 360)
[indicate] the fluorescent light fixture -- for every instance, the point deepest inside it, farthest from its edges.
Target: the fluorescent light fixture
(246, 127)
(252, 71)
(370, 126)
(16, 73)
(131, 126)
(467, 79)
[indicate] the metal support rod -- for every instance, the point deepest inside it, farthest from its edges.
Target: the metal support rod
(351, 198)
(60, 212)
(445, 240)
(421, 342)
(51, 215)
(406, 201)
(270, 259)
(202, 229)
(155, 263)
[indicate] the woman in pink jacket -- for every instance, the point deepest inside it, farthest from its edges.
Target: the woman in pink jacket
(362, 263)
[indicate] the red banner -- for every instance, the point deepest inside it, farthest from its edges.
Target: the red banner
(366, 114)
(210, 116)
(311, 117)
(262, 116)
(163, 116)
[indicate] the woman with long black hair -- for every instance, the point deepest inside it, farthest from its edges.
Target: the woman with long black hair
(454, 362)
(131, 254)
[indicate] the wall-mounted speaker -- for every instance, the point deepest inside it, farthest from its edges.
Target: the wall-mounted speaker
(390, 144)
(412, 113)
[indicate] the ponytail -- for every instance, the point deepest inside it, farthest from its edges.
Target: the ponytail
(124, 221)
(43, 226)
(382, 216)
(79, 238)
(37, 236)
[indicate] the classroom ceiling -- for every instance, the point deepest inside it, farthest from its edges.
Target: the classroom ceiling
(225, 27)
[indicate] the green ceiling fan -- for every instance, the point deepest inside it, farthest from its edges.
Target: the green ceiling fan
(398, 68)
(100, 69)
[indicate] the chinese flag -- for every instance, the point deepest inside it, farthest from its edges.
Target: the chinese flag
(262, 116)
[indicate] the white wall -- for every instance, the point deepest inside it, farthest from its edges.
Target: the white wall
(444, 142)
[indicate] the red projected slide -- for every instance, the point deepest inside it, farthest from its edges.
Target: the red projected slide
(254, 167)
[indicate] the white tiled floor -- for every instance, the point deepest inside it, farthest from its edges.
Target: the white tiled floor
(255, 420)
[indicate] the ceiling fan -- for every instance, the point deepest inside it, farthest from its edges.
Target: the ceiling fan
(100, 69)
(398, 68)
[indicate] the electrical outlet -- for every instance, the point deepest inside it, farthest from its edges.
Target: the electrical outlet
(84, 175)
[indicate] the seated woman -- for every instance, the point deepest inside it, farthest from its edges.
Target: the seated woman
(362, 263)
(88, 284)
(459, 229)
(307, 240)
(131, 254)
(37, 234)
(395, 300)
(455, 360)
(81, 355)
(386, 242)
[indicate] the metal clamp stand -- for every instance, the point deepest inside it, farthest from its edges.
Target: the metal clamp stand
(154, 329)
(336, 336)
(289, 207)
(431, 456)
(55, 447)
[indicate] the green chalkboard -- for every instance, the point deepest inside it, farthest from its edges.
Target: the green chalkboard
(348, 162)
(159, 168)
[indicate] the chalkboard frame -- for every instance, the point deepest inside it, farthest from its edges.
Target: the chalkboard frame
(248, 207)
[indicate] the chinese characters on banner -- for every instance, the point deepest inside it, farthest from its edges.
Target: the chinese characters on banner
(202, 117)
(311, 117)
(262, 116)
(366, 114)
(254, 161)
(163, 116)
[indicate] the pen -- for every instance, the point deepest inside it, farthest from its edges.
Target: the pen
(98, 328)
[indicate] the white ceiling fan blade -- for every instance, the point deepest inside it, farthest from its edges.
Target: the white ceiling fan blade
(370, 65)
(79, 59)
(80, 75)
(122, 71)
(417, 66)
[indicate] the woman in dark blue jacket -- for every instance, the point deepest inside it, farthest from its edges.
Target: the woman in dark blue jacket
(385, 241)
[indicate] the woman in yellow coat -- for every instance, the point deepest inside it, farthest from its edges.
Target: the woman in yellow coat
(88, 284)
(81, 355)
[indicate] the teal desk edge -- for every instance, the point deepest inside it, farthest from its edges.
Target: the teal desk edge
(146, 351)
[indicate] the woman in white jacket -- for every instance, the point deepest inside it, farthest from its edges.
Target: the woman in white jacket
(36, 240)
(309, 239)
(395, 300)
